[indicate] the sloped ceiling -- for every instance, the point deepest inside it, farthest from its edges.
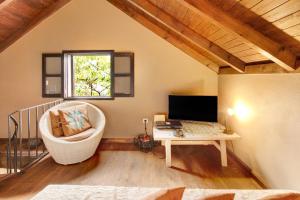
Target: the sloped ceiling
(232, 36)
(17, 17)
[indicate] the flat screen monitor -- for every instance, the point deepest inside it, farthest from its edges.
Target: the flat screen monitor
(195, 108)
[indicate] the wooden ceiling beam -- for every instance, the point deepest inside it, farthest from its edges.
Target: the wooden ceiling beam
(213, 49)
(27, 27)
(271, 68)
(4, 3)
(273, 50)
(163, 31)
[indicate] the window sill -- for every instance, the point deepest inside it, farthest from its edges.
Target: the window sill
(89, 98)
(123, 95)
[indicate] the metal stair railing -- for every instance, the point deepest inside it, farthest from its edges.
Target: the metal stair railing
(25, 146)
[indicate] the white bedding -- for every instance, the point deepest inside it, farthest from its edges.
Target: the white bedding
(81, 192)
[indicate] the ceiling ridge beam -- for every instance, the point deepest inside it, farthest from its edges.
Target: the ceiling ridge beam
(210, 47)
(273, 50)
(270, 68)
(163, 31)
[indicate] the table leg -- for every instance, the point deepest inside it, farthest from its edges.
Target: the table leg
(168, 152)
(223, 153)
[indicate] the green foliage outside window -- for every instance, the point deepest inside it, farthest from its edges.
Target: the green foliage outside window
(92, 75)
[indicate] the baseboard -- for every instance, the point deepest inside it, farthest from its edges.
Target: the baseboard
(117, 144)
(233, 156)
(103, 140)
(24, 140)
(117, 140)
(3, 140)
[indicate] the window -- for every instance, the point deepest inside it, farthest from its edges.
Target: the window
(124, 74)
(88, 74)
(52, 75)
(96, 74)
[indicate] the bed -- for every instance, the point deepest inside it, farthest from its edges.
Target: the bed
(81, 192)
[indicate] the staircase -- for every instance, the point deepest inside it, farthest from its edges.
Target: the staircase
(24, 146)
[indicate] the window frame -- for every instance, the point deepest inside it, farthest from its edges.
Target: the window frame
(45, 75)
(130, 75)
(88, 52)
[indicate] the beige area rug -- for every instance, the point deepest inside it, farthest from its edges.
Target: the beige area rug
(82, 192)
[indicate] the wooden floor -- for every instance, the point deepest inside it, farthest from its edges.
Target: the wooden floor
(192, 166)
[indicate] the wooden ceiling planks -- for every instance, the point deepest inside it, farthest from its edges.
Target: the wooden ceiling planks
(278, 21)
(166, 33)
(217, 35)
(283, 10)
(4, 3)
(202, 25)
(249, 3)
(239, 48)
(190, 19)
(253, 58)
(186, 16)
(199, 24)
(284, 30)
(293, 31)
(190, 34)
(288, 21)
(265, 6)
(265, 45)
(17, 17)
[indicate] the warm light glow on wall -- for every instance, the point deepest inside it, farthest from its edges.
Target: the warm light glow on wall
(230, 111)
(241, 111)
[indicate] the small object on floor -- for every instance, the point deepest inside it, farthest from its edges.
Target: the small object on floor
(144, 142)
(34, 142)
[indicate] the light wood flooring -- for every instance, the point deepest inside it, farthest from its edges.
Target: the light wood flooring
(192, 166)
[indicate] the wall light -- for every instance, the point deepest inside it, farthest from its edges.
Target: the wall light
(241, 110)
(230, 111)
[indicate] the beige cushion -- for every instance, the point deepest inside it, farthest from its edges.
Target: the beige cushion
(74, 119)
(56, 124)
(166, 194)
(80, 136)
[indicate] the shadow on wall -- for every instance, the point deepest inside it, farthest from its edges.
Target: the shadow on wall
(194, 88)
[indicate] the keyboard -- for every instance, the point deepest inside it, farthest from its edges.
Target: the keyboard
(191, 128)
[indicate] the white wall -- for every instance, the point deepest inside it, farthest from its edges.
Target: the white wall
(160, 68)
(269, 125)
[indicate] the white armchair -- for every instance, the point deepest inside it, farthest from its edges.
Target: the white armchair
(70, 152)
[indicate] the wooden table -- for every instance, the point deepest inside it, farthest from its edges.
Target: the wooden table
(168, 138)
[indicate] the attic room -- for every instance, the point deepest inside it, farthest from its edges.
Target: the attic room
(149, 99)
